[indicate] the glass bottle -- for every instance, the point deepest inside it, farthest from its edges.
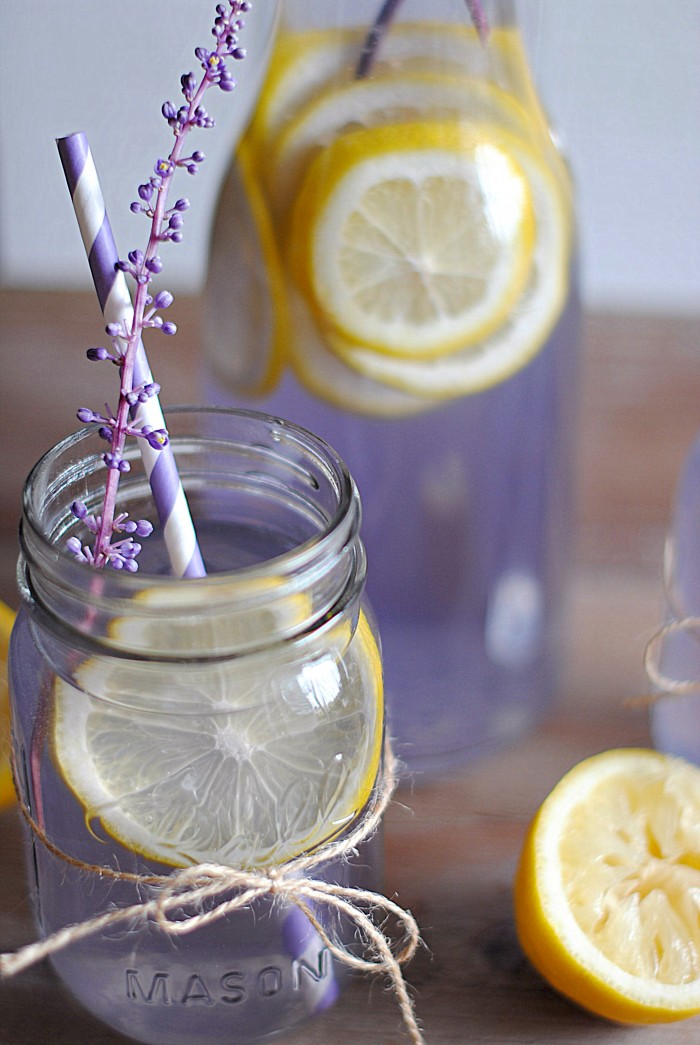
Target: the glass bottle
(402, 220)
(675, 714)
(161, 723)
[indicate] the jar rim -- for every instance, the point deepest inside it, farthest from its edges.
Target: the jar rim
(318, 564)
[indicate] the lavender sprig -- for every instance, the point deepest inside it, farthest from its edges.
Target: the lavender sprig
(110, 546)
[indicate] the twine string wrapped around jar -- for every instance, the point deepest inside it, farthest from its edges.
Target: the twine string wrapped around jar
(291, 881)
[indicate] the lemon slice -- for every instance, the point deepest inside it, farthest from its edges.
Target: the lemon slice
(326, 376)
(244, 765)
(414, 239)
(514, 344)
(245, 272)
(7, 792)
(305, 64)
(392, 98)
(607, 893)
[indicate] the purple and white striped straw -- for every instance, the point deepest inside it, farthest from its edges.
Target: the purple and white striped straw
(115, 302)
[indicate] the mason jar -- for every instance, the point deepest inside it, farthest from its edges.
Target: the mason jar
(161, 723)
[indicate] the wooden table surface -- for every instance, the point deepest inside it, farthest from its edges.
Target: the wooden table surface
(451, 845)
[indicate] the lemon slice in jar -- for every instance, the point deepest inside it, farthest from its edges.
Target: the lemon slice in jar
(247, 763)
(413, 239)
(607, 892)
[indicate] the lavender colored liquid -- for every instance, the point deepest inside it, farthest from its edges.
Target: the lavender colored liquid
(466, 524)
(241, 979)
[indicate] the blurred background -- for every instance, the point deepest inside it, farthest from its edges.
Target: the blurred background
(621, 80)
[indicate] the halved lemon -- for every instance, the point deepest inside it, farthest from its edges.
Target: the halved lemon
(607, 892)
(7, 792)
(393, 98)
(245, 764)
(414, 239)
(499, 355)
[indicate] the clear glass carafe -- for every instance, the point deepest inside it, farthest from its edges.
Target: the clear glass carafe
(162, 723)
(393, 264)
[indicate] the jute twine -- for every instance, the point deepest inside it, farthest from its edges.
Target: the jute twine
(291, 882)
(677, 624)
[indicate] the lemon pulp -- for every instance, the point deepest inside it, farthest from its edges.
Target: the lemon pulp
(607, 891)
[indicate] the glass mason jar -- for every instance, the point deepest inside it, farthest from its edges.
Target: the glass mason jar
(160, 723)
(402, 219)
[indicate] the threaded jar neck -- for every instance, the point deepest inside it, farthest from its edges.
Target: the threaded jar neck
(277, 518)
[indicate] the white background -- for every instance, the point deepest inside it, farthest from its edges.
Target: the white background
(621, 80)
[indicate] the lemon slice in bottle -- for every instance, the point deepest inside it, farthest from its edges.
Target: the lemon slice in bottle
(393, 98)
(245, 271)
(414, 239)
(247, 762)
(329, 378)
(7, 792)
(500, 354)
(607, 893)
(305, 64)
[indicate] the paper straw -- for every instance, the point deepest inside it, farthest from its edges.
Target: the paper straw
(115, 302)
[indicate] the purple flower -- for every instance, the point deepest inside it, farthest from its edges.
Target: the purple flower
(142, 267)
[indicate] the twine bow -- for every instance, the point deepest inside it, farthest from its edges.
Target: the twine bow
(290, 882)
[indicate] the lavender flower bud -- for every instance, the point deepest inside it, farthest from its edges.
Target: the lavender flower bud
(189, 84)
(97, 354)
(182, 204)
(74, 546)
(154, 264)
(169, 111)
(169, 328)
(163, 299)
(146, 192)
(144, 528)
(86, 416)
(136, 258)
(79, 510)
(105, 433)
